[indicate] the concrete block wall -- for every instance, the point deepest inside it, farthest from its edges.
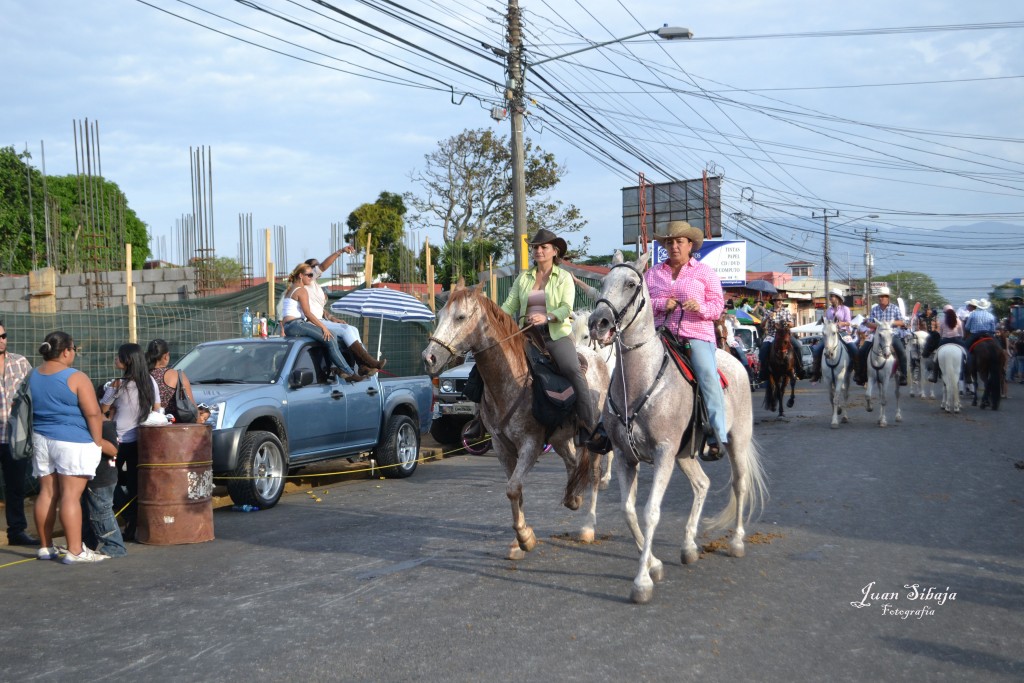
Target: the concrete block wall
(72, 293)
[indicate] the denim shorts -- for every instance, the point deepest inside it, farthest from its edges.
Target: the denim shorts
(63, 457)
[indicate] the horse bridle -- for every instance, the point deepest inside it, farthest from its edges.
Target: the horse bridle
(618, 315)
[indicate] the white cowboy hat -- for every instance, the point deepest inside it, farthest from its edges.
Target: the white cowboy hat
(972, 302)
(883, 291)
(983, 304)
(837, 292)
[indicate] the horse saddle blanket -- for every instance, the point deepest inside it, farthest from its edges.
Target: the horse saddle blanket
(553, 394)
(682, 362)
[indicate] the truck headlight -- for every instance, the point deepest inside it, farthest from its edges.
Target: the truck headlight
(216, 414)
(447, 386)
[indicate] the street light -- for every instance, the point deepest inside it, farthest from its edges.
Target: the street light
(517, 92)
(825, 215)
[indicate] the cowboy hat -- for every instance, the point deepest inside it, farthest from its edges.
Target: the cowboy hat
(545, 236)
(972, 302)
(984, 304)
(883, 291)
(836, 292)
(682, 229)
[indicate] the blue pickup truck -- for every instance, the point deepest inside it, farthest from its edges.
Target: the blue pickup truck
(275, 407)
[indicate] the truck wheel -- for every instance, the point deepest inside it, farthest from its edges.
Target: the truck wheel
(399, 452)
(447, 431)
(261, 470)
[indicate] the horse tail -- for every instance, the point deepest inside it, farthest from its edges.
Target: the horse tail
(582, 474)
(755, 492)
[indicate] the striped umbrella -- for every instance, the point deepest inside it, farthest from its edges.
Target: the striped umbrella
(383, 303)
(743, 316)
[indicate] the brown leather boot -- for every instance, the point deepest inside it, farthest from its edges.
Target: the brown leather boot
(365, 359)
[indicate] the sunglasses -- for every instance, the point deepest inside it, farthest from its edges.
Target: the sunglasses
(309, 274)
(3, 336)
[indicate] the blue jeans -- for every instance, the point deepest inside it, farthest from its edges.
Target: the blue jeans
(304, 328)
(99, 527)
(702, 354)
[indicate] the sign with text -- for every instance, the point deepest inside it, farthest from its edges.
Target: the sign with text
(728, 258)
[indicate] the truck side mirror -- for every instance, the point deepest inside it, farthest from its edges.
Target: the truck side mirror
(300, 378)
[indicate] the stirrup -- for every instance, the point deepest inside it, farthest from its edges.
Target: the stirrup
(715, 452)
(599, 442)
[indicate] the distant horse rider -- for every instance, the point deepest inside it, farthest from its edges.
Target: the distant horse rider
(778, 316)
(883, 311)
(839, 314)
(980, 323)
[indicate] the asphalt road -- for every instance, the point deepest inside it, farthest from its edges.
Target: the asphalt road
(385, 580)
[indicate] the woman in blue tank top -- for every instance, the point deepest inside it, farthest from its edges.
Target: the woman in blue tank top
(67, 443)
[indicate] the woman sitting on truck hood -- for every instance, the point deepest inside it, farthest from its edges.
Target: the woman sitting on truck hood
(299, 321)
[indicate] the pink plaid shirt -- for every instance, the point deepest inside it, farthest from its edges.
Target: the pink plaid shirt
(695, 281)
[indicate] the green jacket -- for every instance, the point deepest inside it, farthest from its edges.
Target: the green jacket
(559, 296)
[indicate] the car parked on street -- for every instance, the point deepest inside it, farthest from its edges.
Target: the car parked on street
(452, 410)
(275, 407)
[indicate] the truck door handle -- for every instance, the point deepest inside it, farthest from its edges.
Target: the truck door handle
(372, 391)
(337, 394)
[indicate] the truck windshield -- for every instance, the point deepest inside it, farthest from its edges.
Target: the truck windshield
(243, 363)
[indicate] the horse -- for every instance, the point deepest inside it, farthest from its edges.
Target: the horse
(920, 364)
(470, 321)
(648, 416)
(988, 359)
(782, 362)
(836, 371)
(881, 366)
(581, 336)
(950, 358)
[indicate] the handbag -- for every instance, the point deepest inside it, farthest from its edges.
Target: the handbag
(185, 409)
(20, 422)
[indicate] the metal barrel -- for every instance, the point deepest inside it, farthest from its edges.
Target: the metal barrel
(175, 484)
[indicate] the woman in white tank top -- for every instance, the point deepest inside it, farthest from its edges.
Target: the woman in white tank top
(299, 321)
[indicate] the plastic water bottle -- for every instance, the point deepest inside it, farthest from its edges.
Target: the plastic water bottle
(247, 323)
(245, 508)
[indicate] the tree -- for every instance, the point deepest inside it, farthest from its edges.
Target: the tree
(384, 223)
(606, 260)
(222, 272)
(465, 260)
(467, 191)
(72, 206)
(913, 287)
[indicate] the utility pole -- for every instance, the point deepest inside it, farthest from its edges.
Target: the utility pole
(868, 263)
(515, 92)
(825, 214)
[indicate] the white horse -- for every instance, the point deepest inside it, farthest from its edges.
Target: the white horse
(950, 358)
(649, 416)
(920, 365)
(835, 370)
(881, 366)
(581, 337)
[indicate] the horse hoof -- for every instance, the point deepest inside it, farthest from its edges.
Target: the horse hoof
(586, 535)
(603, 485)
(573, 502)
(515, 552)
(835, 425)
(689, 556)
(528, 541)
(641, 595)
(657, 573)
(870, 409)
(789, 403)
(737, 549)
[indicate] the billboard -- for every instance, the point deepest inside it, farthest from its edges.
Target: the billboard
(679, 200)
(728, 258)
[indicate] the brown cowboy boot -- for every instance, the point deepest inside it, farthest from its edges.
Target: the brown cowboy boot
(356, 377)
(371, 364)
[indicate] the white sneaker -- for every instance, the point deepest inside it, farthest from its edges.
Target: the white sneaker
(85, 556)
(50, 553)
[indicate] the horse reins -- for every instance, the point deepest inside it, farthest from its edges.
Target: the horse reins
(617, 315)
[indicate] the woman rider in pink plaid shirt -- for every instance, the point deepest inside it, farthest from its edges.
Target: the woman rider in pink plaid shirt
(687, 299)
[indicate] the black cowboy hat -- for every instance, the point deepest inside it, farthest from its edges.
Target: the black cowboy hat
(545, 236)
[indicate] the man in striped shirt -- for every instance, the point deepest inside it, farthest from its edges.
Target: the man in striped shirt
(14, 369)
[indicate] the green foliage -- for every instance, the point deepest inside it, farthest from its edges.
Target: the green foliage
(606, 260)
(467, 191)
(383, 222)
(913, 287)
(222, 272)
(465, 260)
(1003, 296)
(73, 207)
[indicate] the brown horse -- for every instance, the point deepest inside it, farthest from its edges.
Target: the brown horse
(471, 321)
(988, 359)
(782, 362)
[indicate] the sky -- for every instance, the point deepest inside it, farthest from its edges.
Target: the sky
(907, 111)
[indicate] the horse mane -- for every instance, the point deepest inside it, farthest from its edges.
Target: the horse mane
(503, 325)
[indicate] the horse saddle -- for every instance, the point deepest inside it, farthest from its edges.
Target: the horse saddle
(980, 340)
(680, 354)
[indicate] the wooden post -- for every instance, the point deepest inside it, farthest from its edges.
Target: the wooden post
(429, 269)
(367, 281)
(129, 293)
(493, 280)
(271, 313)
